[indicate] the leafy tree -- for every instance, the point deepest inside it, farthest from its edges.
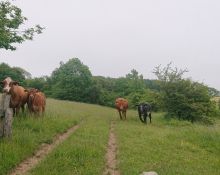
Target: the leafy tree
(152, 84)
(11, 19)
(15, 73)
(136, 81)
(38, 83)
(71, 81)
(184, 98)
(213, 92)
(150, 96)
(103, 91)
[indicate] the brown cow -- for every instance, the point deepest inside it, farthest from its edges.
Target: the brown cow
(36, 101)
(121, 105)
(18, 94)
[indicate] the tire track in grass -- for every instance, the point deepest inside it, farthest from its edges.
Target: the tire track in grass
(42, 152)
(111, 160)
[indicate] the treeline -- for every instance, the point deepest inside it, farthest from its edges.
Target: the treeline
(73, 81)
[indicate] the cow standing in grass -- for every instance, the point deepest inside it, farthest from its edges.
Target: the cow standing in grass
(18, 95)
(144, 111)
(36, 101)
(121, 105)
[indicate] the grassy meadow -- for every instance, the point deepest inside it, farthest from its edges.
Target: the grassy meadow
(165, 146)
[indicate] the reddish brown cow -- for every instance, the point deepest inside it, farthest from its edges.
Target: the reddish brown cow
(36, 101)
(18, 94)
(121, 105)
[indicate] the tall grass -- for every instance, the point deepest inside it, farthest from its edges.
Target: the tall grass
(165, 146)
(30, 131)
(84, 152)
(168, 147)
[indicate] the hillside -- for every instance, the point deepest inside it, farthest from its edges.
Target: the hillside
(164, 146)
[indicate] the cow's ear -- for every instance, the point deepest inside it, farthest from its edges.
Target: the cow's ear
(13, 83)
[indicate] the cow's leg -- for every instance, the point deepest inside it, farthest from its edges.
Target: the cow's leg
(120, 114)
(17, 109)
(150, 116)
(125, 115)
(145, 118)
(14, 110)
(22, 107)
(140, 116)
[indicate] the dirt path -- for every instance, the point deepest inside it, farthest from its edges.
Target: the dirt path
(111, 161)
(43, 151)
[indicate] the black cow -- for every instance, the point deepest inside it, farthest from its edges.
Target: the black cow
(144, 110)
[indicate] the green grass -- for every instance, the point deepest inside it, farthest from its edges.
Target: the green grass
(30, 132)
(168, 147)
(84, 152)
(165, 146)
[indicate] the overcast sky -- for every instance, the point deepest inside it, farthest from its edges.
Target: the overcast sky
(112, 37)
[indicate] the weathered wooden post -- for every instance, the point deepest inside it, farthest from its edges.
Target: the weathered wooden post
(6, 116)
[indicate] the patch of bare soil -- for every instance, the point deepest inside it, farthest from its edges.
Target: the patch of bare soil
(42, 152)
(111, 160)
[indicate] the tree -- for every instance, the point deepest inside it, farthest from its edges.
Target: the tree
(16, 73)
(136, 81)
(38, 83)
(71, 81)
(213, 92)
(11, 19)
(102, 91)
(184, 98)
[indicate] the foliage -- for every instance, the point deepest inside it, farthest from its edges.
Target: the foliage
(102, 91)
(149, 96)
(38, 83)
(71, 81)
(213, 92)
(11, 19)
(184, 98)
(135, 81)
(181, 98)
(15, 73)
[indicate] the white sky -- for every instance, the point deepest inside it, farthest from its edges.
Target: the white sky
(112, 37)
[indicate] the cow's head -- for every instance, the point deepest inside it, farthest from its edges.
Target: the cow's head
(121, 104)
(7, 84)
(31, 93)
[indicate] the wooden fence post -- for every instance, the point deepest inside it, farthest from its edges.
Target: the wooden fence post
(6, 116)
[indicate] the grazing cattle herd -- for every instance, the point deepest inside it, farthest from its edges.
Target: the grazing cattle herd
(36, 101)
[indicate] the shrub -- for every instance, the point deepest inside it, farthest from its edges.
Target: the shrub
(184, 98)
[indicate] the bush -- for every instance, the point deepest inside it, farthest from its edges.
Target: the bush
(184, 98)
(147, 95)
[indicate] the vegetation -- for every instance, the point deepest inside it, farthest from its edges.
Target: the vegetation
(71, 81)
(184, 98)
(11, 19)
(84, 152)
(29, 132)
(167, 146)
(179, 97)
(15, 73)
